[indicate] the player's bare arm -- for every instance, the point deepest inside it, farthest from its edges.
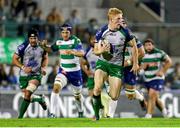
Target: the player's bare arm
(135, 67)
(84, 67)
(166, 65)
(16, 62)
(101, 47)
(44, 64)
(45, 46)
(78, 53)
(141, 52)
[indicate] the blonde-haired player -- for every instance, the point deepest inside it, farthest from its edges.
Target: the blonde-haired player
(112, 67)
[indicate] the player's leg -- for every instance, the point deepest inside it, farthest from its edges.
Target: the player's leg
(111, 104)
(59, 83)
(152, 96)
(161, 107)
(112, 107)
(75, 78)
(99, 79)
(115, 83)
(38, 98)
(154, 87)
(130, 87)
(105, 98)
(28, 91)
(114, 92)
(90, 86)
(79, 99)
(115, 87)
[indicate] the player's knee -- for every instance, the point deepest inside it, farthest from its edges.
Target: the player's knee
(27, 95)
(114, 98)
(60, 82)
(152, 95)
(77, 96)
(97, 90)
(56, 88)
(31, 87)
(130, 93)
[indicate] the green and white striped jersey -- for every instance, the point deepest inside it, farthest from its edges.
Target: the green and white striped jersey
(68, 63)
(154, 61)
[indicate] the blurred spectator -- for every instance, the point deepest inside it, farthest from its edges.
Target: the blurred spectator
(18, 6)
(37, 22)
(74, 19)
(54, 18)
(12, 78)
(2, 17)
(92, 26)
(176, 77)
(52, 76)
(3, 76)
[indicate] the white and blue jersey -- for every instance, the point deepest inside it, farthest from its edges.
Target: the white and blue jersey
(30, 57)
(91, 58)
(117, 40)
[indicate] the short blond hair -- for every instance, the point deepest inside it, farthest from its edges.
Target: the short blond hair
(113, 12)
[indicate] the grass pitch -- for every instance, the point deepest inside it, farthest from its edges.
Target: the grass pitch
(85, 122)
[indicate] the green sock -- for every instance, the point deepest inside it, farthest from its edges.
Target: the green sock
(24, 105)
(96, 100)
(36, 98)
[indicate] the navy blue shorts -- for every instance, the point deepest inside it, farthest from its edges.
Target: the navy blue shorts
(75, 78)
(155, 84)
(129, 77)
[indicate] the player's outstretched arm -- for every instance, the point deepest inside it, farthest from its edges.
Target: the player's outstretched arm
(45, 46)
(78, 53)
(135, 67)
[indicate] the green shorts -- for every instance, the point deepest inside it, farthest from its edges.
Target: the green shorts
(90, 83)
(23, 80)
(111, 69)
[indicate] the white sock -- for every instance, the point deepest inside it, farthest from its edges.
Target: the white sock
(148, 115)
(164, 112)
(139, 96)
(79, 104)
(112, 107)
(54, 102)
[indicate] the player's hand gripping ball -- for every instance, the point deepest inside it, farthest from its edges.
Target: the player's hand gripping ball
(107, 49)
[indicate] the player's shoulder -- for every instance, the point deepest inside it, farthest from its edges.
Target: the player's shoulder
(88, 50)
(23, 45)
(157, 50)
(125, 30)
(73, 37)
(100, 32)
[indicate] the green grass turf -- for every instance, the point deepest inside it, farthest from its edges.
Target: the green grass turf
(85, 122)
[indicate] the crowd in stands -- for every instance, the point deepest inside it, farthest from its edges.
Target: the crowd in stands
(27, 14)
